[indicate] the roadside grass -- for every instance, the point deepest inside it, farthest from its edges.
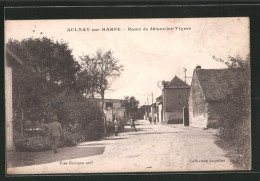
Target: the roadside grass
(239, 154)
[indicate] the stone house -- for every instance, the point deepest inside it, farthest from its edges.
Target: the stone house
(209, 90)
(175, 96)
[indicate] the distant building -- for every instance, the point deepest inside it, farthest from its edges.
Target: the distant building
(159, 108)
(153, 112)
(112, 107)
(175, 96)
(209, 89)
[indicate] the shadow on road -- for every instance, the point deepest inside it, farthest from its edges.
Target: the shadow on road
(91, 144)
(114, 138)
(146, 133)
(18, 159)
(128, 129)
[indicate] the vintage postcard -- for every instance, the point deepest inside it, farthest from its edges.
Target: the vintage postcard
(127, 95)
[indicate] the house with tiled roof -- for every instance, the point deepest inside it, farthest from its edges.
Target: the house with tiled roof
(210, 88)
(174, 97)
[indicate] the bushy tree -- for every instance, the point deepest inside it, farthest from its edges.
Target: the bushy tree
(48, 68)
(96, 72)
(131, 106)
(235, 118)
(141, 112)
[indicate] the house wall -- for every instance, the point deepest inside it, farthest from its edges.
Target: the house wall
(115, 110)
(109, 116)
(174, 100)
(198, 116)
(117, 105)
(215, 110)
(160, 112)
(9, 107)
(175, 117)
(119, 112)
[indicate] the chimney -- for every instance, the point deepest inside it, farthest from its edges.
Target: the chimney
(198, 67)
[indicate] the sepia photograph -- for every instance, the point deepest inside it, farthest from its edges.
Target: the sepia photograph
(127, 95)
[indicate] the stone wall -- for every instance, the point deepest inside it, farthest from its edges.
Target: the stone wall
(197, 105)
(160, 112)
(9, 107)
(174, 117)
(199, 121)
(173, 102)
(176, 99)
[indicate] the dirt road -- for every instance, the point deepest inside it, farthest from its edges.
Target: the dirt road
(153, 148)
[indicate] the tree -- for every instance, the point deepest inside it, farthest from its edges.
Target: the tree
(131, 106)
(48, 68)
(98, 70)
(53, 60)
(141, 112)
(235, 118)
(242, 69)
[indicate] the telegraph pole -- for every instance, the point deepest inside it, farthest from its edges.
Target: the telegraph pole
(152, 109)
(185, 70)
(148, 108)
(145, 115)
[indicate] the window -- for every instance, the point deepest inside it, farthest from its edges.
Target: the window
(109, 104)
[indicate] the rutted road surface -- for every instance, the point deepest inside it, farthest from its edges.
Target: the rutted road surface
(153, 148)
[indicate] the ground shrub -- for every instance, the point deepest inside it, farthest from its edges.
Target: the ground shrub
(72, 134)
(34, 144)
(34, 141)
(235, 134)
(94, 130)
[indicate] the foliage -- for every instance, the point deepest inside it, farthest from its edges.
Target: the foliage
(131, 106)
(98, 68)
(53, 60)
(235, 62)
(81, 119)
(235, 118)
(48, 68)
(49, 83)
(94, 130)
(33, 143)
(142, 109)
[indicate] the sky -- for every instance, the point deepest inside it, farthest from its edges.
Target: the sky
(147, 56)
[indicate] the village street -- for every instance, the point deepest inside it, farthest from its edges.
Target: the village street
(153, 148)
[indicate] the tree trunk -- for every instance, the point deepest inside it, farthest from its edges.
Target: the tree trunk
(104, 117)
(22, 124)
(95, 102)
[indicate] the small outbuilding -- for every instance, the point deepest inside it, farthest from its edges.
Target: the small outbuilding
(210, 88)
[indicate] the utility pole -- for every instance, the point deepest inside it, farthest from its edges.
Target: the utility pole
(185, 70)
(151, 105)
(145, 115)
(148, 108)
(152, 109)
